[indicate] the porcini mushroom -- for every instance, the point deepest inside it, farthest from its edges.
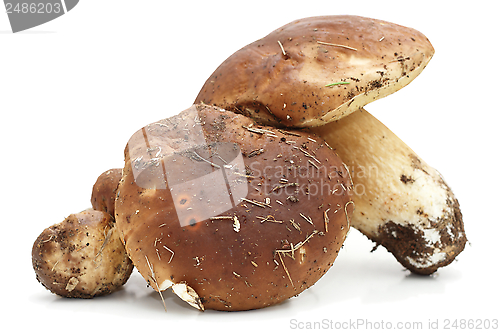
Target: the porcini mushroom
(229, 214)
(81, 257)
(104, 191)
(315, 71)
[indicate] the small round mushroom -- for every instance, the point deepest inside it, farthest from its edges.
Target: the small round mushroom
(104, 191)
(313, 73)
(81, 257)
(229, 214)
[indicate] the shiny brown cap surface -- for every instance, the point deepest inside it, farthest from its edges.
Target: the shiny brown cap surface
(316, 70)
(247, 216)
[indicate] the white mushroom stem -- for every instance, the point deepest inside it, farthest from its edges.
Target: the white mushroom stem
(401, 202)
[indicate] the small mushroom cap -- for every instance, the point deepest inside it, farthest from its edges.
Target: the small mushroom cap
(283, 79)
(104, 191)
(231, 215)
(81, 257)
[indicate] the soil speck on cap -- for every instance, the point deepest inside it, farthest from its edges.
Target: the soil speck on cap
(407, 179)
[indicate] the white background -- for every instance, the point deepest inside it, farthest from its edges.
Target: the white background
(73, 90)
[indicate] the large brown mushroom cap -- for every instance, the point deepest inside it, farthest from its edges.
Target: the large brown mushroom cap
(282, 79)
(231, 215)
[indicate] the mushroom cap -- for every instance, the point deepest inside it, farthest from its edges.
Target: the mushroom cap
(282, 79)
(231, 215)
(104, 191)
(81, 257)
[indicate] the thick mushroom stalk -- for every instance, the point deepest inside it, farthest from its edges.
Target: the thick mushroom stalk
(402, 203)
(314, 71)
